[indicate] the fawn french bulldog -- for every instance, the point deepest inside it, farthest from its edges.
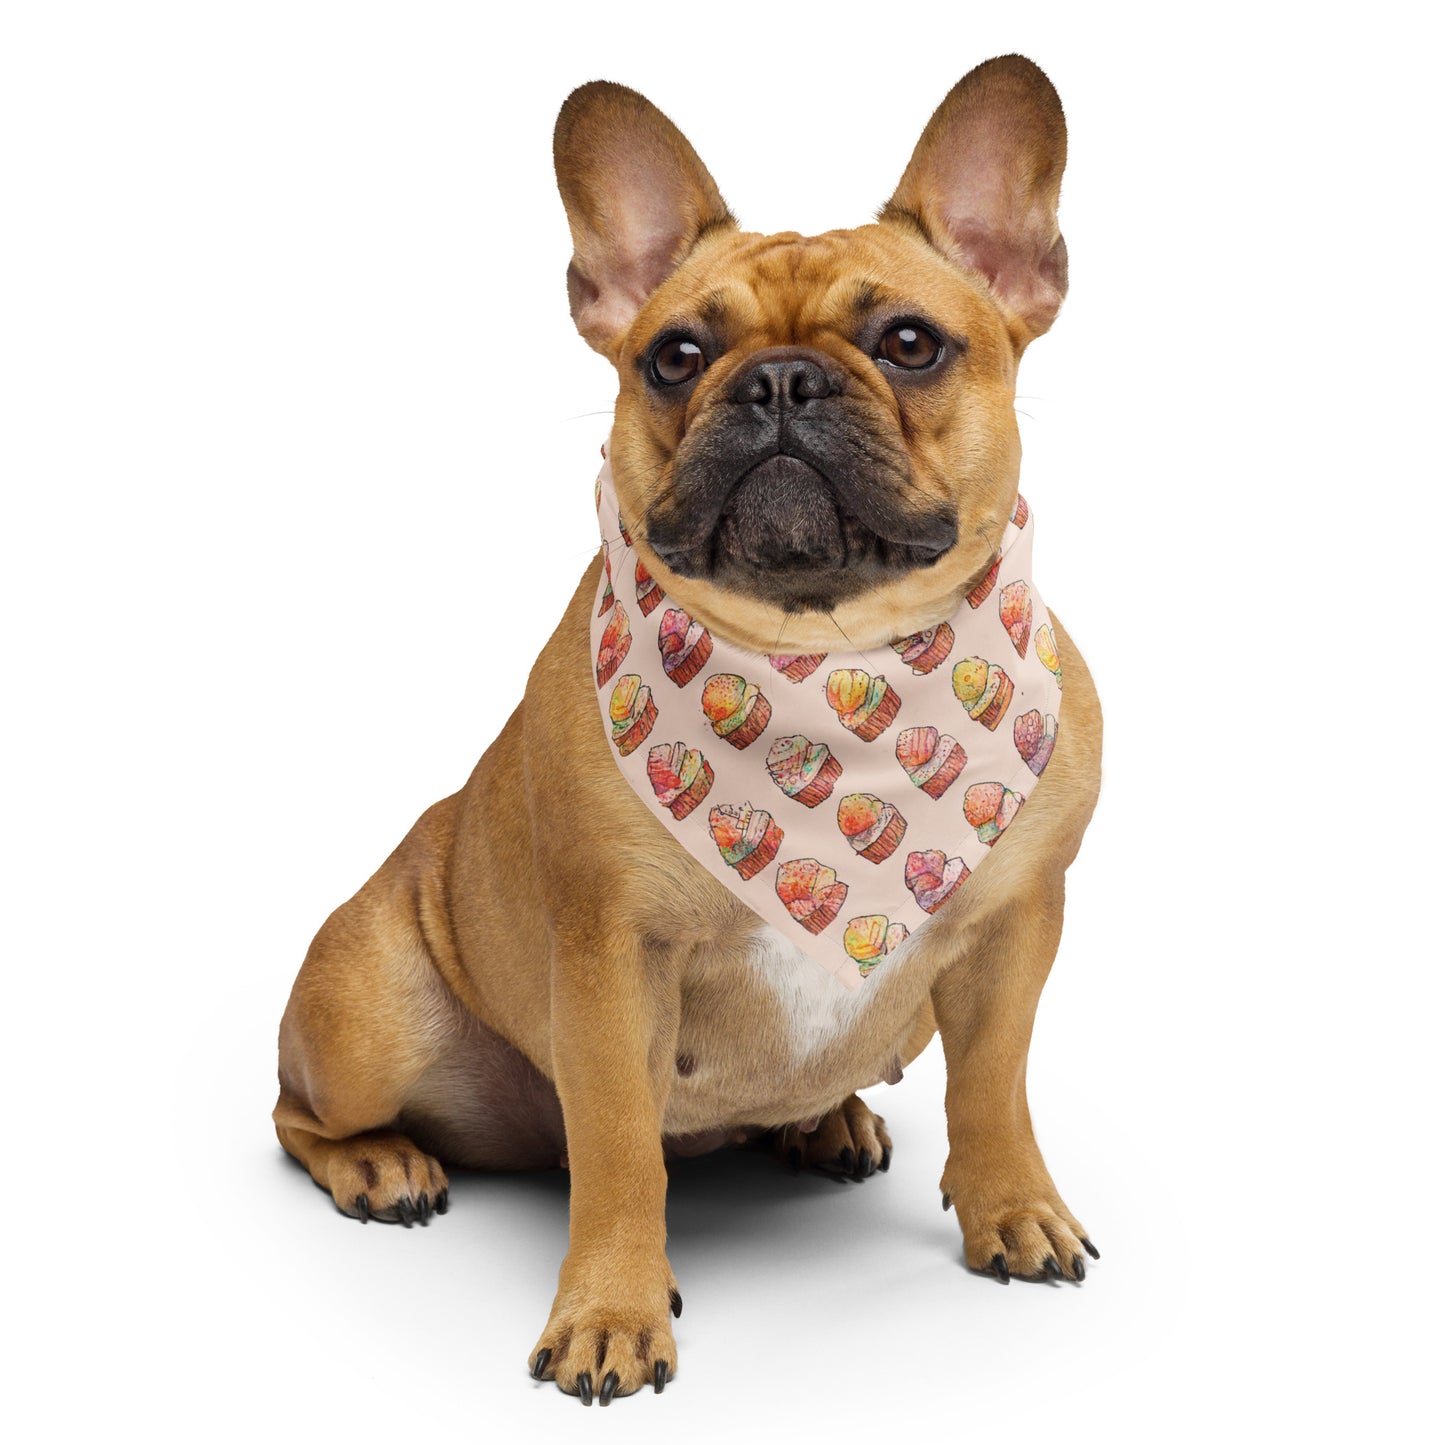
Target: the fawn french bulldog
(814, 452)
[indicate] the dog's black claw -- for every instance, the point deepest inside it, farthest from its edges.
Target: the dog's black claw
(1051, 1268)
(886, 1160)
(947, 1202)
(407, 1213)
(1093, 1253)
(865, 1164)
(1079, 1268)
(539, 1365)
(675, 1300)
(423, 1208)
(584, 1388)
(795, 1159)
(846, 1160)
(363, 1208)
(442, 1202)
(659, 1376)
(610, 1382)
(1000, 1268)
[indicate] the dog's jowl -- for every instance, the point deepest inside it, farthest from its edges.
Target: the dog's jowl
(796, 779)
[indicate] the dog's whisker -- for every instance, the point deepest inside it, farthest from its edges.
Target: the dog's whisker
(857, 651)
(610, 543)
(782, 627)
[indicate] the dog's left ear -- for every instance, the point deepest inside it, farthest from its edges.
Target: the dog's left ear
(637, 200)
(983, 185)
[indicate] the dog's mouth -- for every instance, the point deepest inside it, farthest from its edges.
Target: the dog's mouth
(785, 532)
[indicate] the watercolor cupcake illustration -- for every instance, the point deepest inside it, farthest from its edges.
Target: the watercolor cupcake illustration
(622, 527)
(990, 808)
(811, 893)
(685, 645)
(747, 837)
(865, 704)
(869, 940)
(979, 595)
(737, 710)
(795, 669)
(1034, 737)
(805, 771)
(932, 877)
(632, 711)
(1016, 612)
(932, 760)
(680, 776)
(1048, 652)
(616, 639)
(872, 827)
(984, 688)
(923, 651)
(649, 594)
(1021, 512)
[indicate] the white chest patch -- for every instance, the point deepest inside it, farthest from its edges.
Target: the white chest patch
(816, 1008)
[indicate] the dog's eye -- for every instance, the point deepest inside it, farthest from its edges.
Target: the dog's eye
(677, 360)
(909, 346)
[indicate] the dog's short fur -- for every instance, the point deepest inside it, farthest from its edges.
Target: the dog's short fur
(570, 987)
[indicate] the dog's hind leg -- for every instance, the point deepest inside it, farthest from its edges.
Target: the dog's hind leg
(850, 1140)
(375, 1175)
(367, 1018)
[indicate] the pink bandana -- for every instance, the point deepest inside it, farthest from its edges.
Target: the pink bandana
(846, 796)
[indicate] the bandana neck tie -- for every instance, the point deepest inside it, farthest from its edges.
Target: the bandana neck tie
(845, 797)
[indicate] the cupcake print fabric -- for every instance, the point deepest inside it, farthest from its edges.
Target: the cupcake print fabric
(845, 797)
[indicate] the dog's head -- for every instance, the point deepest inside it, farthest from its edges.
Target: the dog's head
(814, 436)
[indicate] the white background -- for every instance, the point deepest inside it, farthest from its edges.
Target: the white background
(293, 417)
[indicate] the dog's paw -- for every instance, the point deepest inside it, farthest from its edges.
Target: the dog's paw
(385, 1177)
(1025, 1234)
(850, 1142)
(609, 1336)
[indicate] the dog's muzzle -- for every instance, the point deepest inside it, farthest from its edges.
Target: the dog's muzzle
(785, 488)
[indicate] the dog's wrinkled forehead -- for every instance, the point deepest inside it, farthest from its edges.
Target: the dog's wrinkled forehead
(796, 290)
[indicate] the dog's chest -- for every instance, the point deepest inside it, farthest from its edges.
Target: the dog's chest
(813, 1010)
(767, 1035)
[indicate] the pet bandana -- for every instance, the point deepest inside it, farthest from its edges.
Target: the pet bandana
(843, 796)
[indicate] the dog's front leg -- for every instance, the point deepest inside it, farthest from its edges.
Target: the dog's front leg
(1013, 1219)
(614, 1034)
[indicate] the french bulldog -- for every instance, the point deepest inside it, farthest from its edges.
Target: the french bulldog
(814, 439)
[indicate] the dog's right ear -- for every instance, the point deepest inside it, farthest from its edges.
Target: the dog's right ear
(983, 187)
(637, 200)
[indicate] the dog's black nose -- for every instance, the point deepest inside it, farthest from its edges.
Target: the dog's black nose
(785, 378)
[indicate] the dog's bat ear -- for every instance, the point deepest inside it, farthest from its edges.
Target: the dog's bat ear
(983, 187)
(637, 200)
